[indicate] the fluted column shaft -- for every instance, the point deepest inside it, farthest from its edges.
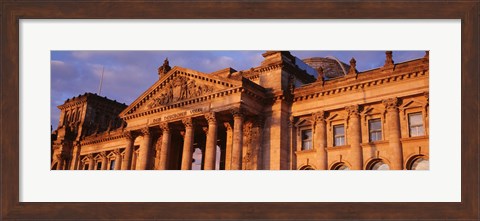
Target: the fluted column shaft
(320, 139)
(127, 158)
(211, 143)
(144, 151)
(355, 138)
(187, 145)
(91, 166)
(393, 127)
(165, 149)
(228, 149)
(104, 161)
(61, 160)
(237, 145)
(118, 159)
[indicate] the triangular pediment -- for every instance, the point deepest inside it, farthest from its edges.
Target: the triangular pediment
(179, 84)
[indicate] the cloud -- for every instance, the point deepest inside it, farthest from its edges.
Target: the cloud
(128, 74)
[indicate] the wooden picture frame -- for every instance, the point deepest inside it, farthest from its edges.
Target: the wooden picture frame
(13, 11)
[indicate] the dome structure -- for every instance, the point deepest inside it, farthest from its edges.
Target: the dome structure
(332, 67)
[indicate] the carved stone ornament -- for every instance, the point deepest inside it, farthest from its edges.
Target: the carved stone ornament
(117, 152)
(187, 122)
(318, 117)
(162, 70)
(145, 131)
(205, 129)
(353, 64)
(353, 110)
(179, 88)
(391, 103)
(291, 119)
(228, 126)
(388, 58)
(129, 135)
(103, 154)
(211, 117)
(320, 74)
(237, 112)
(164, 126)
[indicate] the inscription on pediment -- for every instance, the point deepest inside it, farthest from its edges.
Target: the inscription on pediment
(179, 88)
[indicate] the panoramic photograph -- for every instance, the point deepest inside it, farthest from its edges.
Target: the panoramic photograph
(239, 110)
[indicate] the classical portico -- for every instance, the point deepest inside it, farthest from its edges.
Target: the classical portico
(187, 110)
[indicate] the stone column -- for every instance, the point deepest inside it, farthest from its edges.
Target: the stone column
(256, 142)
(187, 144)
(211, 143)
(127, 160)
(393, 127)
(75, 156)
(228, 148)
(237, 145)
(320, 139)
(118, 159)
(91, 161)
(354, 137)
(165, 149)
(104, 160)
(144, 151)
(60, 160)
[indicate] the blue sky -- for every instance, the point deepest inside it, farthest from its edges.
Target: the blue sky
(127, 74)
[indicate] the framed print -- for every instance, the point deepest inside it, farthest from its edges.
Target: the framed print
(40, 182)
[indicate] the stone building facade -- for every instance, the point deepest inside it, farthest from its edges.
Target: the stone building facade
(276, 116)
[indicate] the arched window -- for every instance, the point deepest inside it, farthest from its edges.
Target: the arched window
(307, 167)
(340, 166)
(377, 164)
(418, 162)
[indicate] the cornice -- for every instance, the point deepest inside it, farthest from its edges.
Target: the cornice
(312, 90)
(100, 138)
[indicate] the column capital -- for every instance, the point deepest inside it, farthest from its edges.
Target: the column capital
(145, 131)
(211, 117)
(318, 117)
(291, 120)
(164, 127)
(353, 110)
(187, 122)
(228, 126)
(237, 113)
(117, 152)
(205, 129)
(391, 104)
(129, 135)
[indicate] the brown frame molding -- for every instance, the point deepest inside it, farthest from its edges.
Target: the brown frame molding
(12, 11)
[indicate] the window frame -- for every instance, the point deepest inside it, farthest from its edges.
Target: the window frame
(302, 140)
(370, 130)
(422, 125)
(335, 135)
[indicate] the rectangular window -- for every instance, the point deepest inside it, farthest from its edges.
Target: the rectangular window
(339, 135)
(307, 139)
(375, 129)
(415, 121)
(99, 165)
(85, 167)
(112, 164)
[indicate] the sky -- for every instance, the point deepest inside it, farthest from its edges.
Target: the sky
(127, 74)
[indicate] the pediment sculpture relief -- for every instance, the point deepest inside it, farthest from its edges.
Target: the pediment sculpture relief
(180, 88)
